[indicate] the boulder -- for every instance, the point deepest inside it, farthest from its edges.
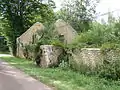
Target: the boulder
(49, 55)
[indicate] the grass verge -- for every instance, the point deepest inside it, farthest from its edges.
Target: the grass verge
(62, 79)
(5, 52)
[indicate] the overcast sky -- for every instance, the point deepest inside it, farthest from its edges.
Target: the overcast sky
(103, 7)
(109, 5)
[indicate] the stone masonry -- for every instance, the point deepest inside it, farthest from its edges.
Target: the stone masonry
(65, 30)
(27, 38)
(86, 58)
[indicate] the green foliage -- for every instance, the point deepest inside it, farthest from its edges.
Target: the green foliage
(111, 65)
(92, 38)
(19, 15)
(46, 37)
(100, 35)
(109, 46)
(57, 42)
(50, 37)
(3, 44)
(30, 51)
(64, 60)
(78, 13)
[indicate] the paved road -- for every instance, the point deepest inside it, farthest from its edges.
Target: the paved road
(13, 79)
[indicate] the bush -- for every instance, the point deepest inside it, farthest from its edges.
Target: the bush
(110, 68)
(3, 44)
(109, 46)
(98, 35)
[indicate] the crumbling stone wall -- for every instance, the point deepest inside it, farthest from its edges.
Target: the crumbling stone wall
(27, 38)
(83, 59)
(91, 59)
(65, 30)
(86, 59)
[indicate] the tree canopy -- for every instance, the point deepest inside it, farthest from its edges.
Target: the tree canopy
(18, 15)
(79, 13)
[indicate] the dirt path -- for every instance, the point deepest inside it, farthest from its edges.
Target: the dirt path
(13, 79)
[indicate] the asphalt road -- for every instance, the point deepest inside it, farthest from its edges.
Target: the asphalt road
(14, 79)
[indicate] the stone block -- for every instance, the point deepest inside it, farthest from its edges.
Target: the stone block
(49, 55)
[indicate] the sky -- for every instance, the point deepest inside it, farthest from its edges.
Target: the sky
(103, 7)
(109, 5)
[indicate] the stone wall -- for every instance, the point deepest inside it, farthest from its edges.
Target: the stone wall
(83, 59)
(90, 59)
(86, 59)
(65, 30)
(27, 38)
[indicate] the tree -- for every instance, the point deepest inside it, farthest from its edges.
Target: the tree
(19, 15)
(79, 13)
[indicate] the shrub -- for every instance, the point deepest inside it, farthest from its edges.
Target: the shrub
(98, 35)
(3, 44)
(110, 68)
(109, 46)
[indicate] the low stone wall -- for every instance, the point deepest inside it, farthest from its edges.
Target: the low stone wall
(90, 59)
(86, 59)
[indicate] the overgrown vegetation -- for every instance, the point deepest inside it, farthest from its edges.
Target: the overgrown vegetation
(100, 35)
(104, 36)
(3, 44)
(48, 36)
(110, 69)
